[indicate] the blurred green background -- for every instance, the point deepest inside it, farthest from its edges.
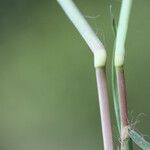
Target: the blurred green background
(48, 97)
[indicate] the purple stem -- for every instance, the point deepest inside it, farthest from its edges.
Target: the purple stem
(121, 86)
(104, 108)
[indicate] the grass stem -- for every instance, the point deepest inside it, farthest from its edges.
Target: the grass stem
(85, 30)
(104, 108)
(122, 32)
(119, 63)
(99, 53)
(123, 107)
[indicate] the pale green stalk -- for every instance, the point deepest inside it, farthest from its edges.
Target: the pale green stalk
(122, 32)
(99, 62)
(85, 30)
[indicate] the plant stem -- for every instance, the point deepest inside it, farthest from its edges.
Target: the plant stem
(99, 62)
(122, 32)
(122, 96)
(119, 63)
(123, 106)
(104, 108)
(85, 30)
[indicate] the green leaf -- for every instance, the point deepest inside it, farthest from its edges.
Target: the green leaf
(113, 74)
(139, 140)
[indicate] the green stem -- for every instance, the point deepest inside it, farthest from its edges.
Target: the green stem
(122, 32)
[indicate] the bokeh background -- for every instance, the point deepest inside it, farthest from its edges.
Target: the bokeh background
(48, 97)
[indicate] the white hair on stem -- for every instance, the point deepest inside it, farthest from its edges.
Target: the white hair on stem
(86, 31)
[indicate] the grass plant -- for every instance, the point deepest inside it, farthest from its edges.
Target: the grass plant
(118, 79)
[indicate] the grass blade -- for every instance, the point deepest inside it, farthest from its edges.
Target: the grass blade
(113, 74)
(139, 140)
